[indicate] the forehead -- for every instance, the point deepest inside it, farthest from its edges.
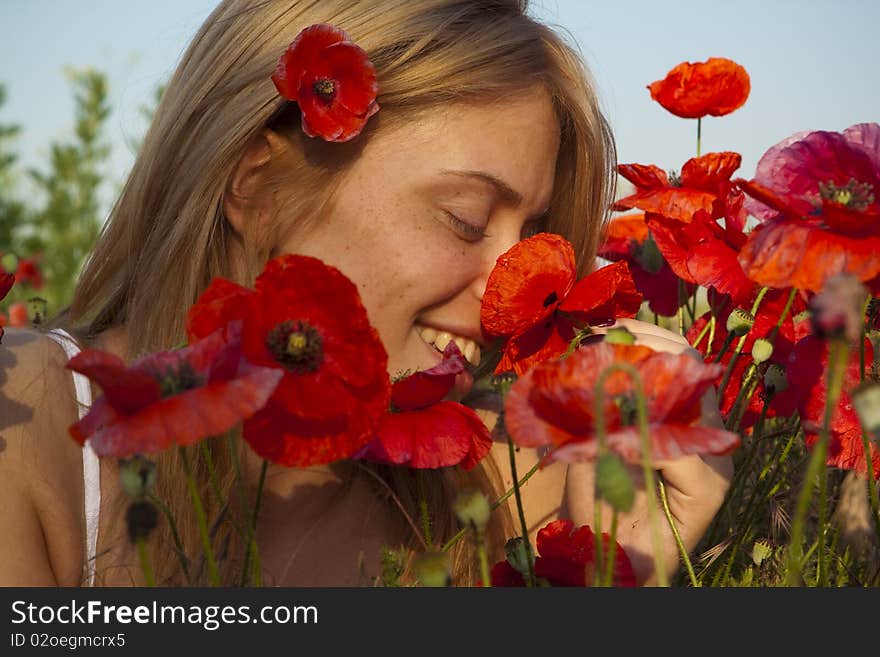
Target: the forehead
(514, 140)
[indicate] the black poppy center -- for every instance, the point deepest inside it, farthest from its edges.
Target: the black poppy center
(324, 89)
(551, 299)
(175, 380)
(628, 408)
(853, 195)
(297, 345)
(674, 178)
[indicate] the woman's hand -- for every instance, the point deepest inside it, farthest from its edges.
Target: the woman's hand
(695, 486)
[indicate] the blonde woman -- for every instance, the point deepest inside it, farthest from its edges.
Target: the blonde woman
(489, 130)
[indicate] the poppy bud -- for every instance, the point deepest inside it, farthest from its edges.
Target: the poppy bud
(614, 482)
(648, 255)
(775, 380)
(517, 553)
(761, 550)
(432, 569)
(138, 476)
(866, 400)
(141, 518)
(38, 307)
(740, 322)
(762, 349)
(472, 509)
(620, 335)
(836, 312)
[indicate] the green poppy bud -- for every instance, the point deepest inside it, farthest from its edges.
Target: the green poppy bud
(620, 335)
(775, 380)
(866, 400)
(432, 569)
(517, 553)
(648, 255)
(138, 476)
(762, 350)
(740, 322)
(472, 509)
(614, 482)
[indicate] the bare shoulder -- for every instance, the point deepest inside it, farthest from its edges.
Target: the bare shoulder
(40, 465)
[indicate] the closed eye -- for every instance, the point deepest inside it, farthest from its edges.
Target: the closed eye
(467, 230)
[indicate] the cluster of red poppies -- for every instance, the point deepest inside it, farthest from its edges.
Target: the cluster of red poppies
(26, 272)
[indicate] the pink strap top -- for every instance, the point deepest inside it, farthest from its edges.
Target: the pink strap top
(91, 465)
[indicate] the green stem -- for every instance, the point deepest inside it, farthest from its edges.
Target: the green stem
(524, 528)
(423, 507)
(254, 551)
(699, 131)
(728, 339)
(215, 486)
(647, 468)
(612, 551)
(747, 388)
(213, 573)
(739, 345)
(836, 369)
(461, 532)
(866, 445)
(175, 535)
(681, 548)
(712, 322)
(484, 558)
(702, 334)
(144, 558)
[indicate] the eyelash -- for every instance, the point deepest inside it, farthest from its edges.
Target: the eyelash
(473, 233)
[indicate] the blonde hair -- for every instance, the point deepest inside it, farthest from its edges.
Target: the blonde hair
(166, 237)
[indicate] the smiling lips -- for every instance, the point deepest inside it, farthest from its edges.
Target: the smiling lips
(439, 339)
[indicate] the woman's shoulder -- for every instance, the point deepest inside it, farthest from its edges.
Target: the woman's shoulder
(40, 464)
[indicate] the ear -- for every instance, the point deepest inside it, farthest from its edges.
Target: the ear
(241, 201)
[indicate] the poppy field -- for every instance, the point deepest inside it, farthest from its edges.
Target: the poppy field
(773, 280)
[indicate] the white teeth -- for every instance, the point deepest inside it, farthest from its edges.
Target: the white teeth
(441, 339)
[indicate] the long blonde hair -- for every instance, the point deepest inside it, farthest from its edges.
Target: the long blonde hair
(166, 237)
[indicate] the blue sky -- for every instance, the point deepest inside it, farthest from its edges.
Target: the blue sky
(813, 65)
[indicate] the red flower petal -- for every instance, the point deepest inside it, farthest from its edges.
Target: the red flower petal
(784, 254)
(429, 386)
(526, 284)
(302, 54)
(710, 171)
(605, 294)
(6, 283)
(127, 390)
(441, 435)
(716, 87)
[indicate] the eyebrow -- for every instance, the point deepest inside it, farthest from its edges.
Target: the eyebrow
(505, 192)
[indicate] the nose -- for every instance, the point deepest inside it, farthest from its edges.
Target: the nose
(494, 247)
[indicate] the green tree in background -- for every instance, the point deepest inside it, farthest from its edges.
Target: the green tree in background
(12, 211)
(64, 228)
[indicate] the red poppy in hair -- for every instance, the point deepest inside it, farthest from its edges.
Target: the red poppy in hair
(533, 301)
(715, 87)
(331, 79)
(306, 319)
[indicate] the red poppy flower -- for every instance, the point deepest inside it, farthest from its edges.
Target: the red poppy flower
(626, 238)
(306, 319)
(532, 299)
(18, 314)
(806, 371)
(6, 283)
(703, 253)
(566, 557)
(822, 206)
(704, 184)
(553, 404)
(171, 397)
(715, 87)
(331, 79)
(29, 272)
(423, 431)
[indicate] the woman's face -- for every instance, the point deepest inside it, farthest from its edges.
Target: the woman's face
(425, 211)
